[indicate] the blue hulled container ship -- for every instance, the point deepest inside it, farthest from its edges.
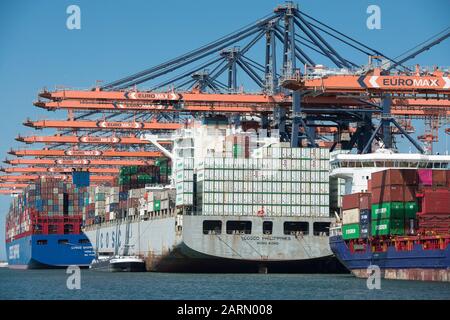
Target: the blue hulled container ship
(405, 258)
(49, 251)
(397, 218)
(43, 227)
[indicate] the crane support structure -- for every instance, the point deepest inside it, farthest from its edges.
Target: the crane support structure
(101, 154)
(101, 125)
(114, 140)
(312, 83)
(79, 162)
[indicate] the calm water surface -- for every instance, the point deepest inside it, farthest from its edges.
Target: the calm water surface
(51, 284)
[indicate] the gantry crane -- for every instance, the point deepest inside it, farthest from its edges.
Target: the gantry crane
(293, 92)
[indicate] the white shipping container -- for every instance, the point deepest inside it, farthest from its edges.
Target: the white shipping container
(350, 216)
(187, 199)
(164, 204)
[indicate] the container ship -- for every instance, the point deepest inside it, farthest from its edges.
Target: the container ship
(400, 220)
(236, 202)
(43, 227)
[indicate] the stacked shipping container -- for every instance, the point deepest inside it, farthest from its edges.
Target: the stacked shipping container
(404, 202)
(46, 197)
(184, 182)
(284, 181)
(356, 215)
(136, 177)
(394, 205)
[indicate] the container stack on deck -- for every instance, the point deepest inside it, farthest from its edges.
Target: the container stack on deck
(184, 182)
(394, 205)
(112, 203)
(434, 202)
(356, 216)
(403, 202)
(266, 185)
(47, 198)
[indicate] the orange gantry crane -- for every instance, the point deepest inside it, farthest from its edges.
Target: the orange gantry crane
(101, 154)
(233, 103)
(31, 178)
(11, 191)
(101, 125)
(373, 82)
(13, 185)
(331, 101)
(86, 139)
(58, 170)
(79, 162)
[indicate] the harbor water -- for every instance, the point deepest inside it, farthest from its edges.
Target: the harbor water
(52, 284)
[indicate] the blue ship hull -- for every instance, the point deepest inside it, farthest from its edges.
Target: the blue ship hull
(416, 264)
(49, 251)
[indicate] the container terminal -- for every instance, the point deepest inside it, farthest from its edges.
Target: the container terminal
(179, 168)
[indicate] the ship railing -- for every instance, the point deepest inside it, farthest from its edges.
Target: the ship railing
(137, 217)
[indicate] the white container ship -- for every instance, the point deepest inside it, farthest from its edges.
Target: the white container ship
(238, 202)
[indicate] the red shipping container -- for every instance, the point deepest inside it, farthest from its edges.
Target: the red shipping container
(389, 193)
(394, 176)
(434, 201)
(410, 193)
(359, 200)
(439, 178)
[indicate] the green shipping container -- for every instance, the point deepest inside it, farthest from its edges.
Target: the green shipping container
(124, 171)
(411, 210)
(145, 178)
(161, 162)
(351, 231)
(388, 210)
(236, 150)
(99, 197)
(388, 227)
(133, 169)
(157, 205)
(124, 180)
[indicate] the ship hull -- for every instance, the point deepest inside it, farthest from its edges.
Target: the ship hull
(168, 248)
(416, 264)
(49, 251)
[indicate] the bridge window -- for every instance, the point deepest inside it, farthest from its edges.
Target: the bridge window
(68, 228)
(41, 242)
(267, 227)
(63, 241)
(37, 229)
(52, 229)
(321, 228)
(239, 227)
(296, 228)
(212, 227)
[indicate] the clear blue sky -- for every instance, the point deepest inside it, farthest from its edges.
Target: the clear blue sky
(120, 37)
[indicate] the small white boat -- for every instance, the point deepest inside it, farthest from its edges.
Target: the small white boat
(118, 264)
